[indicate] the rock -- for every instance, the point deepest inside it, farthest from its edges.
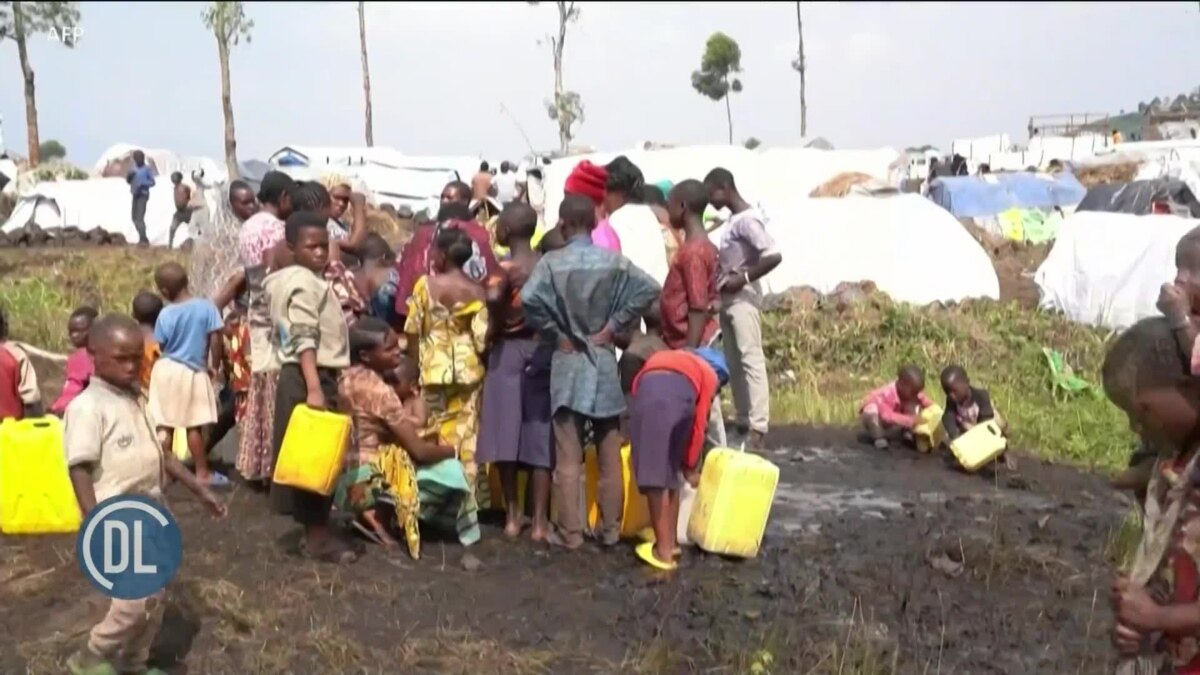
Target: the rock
(117, 240)
(945, 565)
(470, 563)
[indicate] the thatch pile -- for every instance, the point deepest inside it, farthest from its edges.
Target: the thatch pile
(841, 184)
(1117, 172)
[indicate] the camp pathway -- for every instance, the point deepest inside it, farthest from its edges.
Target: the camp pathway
(870, 556)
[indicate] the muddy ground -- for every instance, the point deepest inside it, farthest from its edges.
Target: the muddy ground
(874, 562)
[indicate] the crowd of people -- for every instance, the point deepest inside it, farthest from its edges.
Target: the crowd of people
(489, 342)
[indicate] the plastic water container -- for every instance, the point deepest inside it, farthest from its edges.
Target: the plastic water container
(980, 446)
(314, 448)
(36, 496)
(928, 431)
(636, 514)
(179, 445)
(733, 503)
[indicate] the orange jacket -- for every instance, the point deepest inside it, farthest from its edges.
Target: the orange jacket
(703, 380)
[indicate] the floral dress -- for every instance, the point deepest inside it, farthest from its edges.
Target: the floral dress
(451, 342)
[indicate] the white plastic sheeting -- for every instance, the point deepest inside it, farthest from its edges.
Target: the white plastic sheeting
(97, 202)
(1106, 268)
(165, 161)
(825, 242)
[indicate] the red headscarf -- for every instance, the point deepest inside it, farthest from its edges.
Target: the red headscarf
(587, 179)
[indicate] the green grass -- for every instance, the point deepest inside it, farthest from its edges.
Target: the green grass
(823, 360)
(40, 288)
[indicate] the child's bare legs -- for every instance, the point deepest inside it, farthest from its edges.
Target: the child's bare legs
(371, 518)
(874, 428)
(512, 504)
(195, 441)
(659, 502)
(673, 501)
(541, 504)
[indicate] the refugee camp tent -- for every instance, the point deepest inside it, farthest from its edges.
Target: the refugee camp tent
(829, 241)
(97, 202)
(1106, 268)
(1139, 197)
(117, 162)
(974, 196)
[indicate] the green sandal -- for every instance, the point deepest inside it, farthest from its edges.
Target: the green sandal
(86, 663)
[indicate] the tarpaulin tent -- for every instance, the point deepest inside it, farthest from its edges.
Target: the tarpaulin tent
(976, 196)
(1106, 269)
(1138, 197)
(97, 202)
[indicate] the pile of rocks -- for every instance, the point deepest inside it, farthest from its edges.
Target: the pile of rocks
(32, 236)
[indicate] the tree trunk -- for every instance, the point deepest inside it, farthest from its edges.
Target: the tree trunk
(227, 108)
(728, 111)
(366, 74)
(800, 65)
(31, 115)
(564, 130)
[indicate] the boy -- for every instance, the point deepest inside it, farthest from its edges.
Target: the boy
(79, 363)
(889, 412)
(1164, 407)
(146, 308)
(111, 450)
(580, 296)
(182, 394)
(966, 406)
(690, 290)
(183, 212)
(19, 393)
(310, 339)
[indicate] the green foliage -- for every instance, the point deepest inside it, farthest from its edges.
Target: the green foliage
(36, 18)
(58, 170)
(752, 143)
(567, 110)
(227, 21)
(722, 60)
(51, 149)
(823, 360)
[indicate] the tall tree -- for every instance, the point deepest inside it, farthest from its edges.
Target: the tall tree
(566, 109)
(21, 20)
(721, 62)
(228, 23)
(798, 66)
(362, 43)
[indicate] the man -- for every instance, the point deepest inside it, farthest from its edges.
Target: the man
(183, 210)
(747, 253)
(140, 180)
(506, 183)
(481, 184)
(581, 296)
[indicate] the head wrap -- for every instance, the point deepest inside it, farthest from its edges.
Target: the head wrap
(715, 360)
(665, 186)
(587, 179)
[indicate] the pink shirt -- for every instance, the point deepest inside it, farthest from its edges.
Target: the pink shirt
(885, 402)
(258, 235)
(606, 237)
(79, 372)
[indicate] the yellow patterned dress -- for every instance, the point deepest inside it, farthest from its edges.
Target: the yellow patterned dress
(451, 342)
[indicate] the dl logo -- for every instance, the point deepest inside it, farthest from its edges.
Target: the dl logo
(129, 547)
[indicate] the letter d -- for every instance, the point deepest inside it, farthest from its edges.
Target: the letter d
(119, 547)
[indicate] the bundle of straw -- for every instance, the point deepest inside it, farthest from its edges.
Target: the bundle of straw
(1120, 172)
(841, 184)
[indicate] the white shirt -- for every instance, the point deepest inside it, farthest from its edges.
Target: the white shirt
(506, 187)
(641, 239)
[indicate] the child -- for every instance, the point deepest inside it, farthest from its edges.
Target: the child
(146, 308)
(1119, 375)
(111, 450)
(79, 363)
(377, 278)
(405, 380)
(515, 420)
(966, 406)
(889, 412)
(182, 395)
(310, 339)
(583, 295)
(668, 412)
(19, 393)
(690, 290)
(447, 329)
(379, 485)
(1158, 595)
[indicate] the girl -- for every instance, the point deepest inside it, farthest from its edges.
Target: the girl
(447, 326)
(79, 363)
(380, 483)
(515, 421)
(669, 409)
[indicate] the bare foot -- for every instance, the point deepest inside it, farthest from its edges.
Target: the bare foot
(539, 535)
(512, 529)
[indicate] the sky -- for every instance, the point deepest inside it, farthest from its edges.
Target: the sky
(879, 74)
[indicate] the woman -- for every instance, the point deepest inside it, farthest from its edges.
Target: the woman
(343, 198)
(588, 180)
(447, 327)
(260, 236)
(633, 221)
(379, 485)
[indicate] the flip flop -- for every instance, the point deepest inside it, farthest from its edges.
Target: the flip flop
(218, 480)
(646, 534)
(646, 553)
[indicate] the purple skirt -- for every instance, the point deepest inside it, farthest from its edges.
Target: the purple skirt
(514, 423)
(661, 415)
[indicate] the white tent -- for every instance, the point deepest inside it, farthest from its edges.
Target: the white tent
(825, 242)
(165, 161)
(1106, 268)
(96, 202)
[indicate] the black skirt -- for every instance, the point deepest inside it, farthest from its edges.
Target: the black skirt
(307, 508)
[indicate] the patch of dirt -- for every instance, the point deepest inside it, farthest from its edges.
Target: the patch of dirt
(886, 558)
(1015, 264)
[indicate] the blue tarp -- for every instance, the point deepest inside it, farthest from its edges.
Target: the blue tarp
(981, 196)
